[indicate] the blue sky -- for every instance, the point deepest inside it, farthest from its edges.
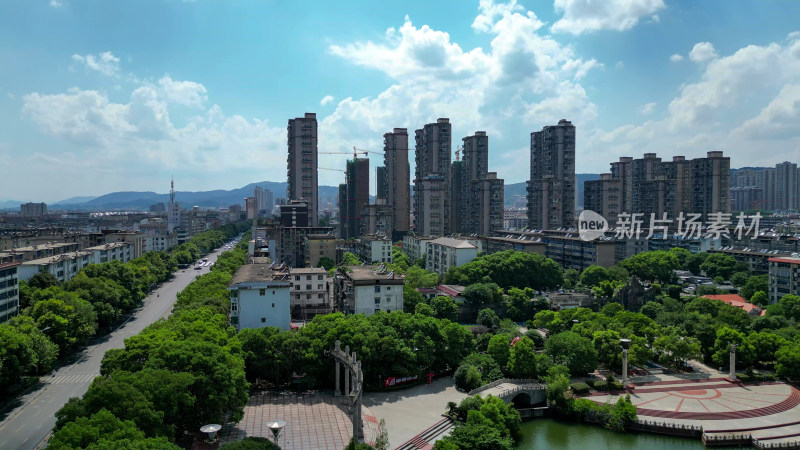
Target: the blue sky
(99, 96)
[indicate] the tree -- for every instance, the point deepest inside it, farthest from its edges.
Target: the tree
(43, 351)
(694, 261)
(509, 269)
(326, 263)
(656, 266)
(349, 259)
(681, 255)
(70, 319)
(16, 356)
(382, 439)
(725, 337)
(573, 351)
(254, 443)
(739, 279)
(467, 378)
(536, 337)
(719, 264)
(499, 349)
(571, 278)
(754, 284)
(480, 295)
(424, 309)
(488, 318)
(765, 345)
(676, 349)
(103, 430)
(411, 298)
(444, 308)
(522, 362)
(417, 277)
(652, 309)
(43, 280)
(760, 298)
(593, 275)
(788, 365)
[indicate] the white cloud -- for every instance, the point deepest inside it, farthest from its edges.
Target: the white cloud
(10, 95)
(676, 58)
(187, 93)
(780, 119)
(702, 52)
(715, 112)
(580, 16)
(325, 100)
(648, 108)
(105, 63)
(56, 3)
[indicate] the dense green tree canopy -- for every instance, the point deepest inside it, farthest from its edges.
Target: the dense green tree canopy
(509, 269)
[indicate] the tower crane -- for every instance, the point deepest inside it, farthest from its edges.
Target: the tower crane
(459, 149)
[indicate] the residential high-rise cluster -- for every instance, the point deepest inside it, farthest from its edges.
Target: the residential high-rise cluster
(551, 189)
(397, 178)
(775, 189)
(301, 137)
(432, 178)
(649, 185)
(477, 194)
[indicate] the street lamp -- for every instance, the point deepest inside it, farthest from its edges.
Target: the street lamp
(625, 344)
(211, 430)
(276, 428)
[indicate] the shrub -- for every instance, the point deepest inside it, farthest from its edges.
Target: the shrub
(601, 385)
(579, 388)
(616, 385)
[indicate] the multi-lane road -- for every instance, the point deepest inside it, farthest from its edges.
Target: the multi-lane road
(29, 424)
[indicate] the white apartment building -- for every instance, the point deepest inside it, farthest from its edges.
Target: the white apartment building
(368, 290)
(9, 290)
(311, 293)
(784, 277)
(374, 249)
(260, 298)
(416, 247)
(113, 251)
(63, 266)
(444, 253)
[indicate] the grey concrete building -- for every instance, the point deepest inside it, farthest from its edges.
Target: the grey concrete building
(301, 138)
(551, 189)
(397, 180)
(432, 178)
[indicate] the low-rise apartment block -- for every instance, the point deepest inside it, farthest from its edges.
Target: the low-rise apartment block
(784, 278)
(311, 293)
(9, 290)
(367, 290)
(260, 298)
(444, 253)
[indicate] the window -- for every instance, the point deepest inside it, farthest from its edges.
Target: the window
(377, 310)
(308, 277)
(296, 287)
(308, 287)
(320, 296)
(273, 305)
(377, 300)
(264, 319)
(319, 277)
(234, 307)
(297, 278)
(308, 296)
(319, 287)
(377, 288)
(262, 292)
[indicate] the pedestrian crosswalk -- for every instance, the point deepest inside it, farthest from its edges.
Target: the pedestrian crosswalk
(73, 378)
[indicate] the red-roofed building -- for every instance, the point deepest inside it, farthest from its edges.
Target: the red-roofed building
(739, 302)
(784, 277)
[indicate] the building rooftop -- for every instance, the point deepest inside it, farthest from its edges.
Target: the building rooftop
(308, 270)
(258, 273)
(372, 273)
(56, 258)
(320, 237)
(737, 301)
(452, 242)
(54, 245)
(786, 260)
(109, 246)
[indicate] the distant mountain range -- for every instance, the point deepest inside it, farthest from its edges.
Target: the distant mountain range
(141, 201)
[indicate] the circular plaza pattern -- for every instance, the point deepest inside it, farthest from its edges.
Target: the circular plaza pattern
(711, 399)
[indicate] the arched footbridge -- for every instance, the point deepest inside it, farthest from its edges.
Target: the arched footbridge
(521, 392)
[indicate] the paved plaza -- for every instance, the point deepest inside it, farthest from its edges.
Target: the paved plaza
(314, 420)
(769, 412)
(411, 411)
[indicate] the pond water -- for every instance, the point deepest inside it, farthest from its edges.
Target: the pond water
(555, 434)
